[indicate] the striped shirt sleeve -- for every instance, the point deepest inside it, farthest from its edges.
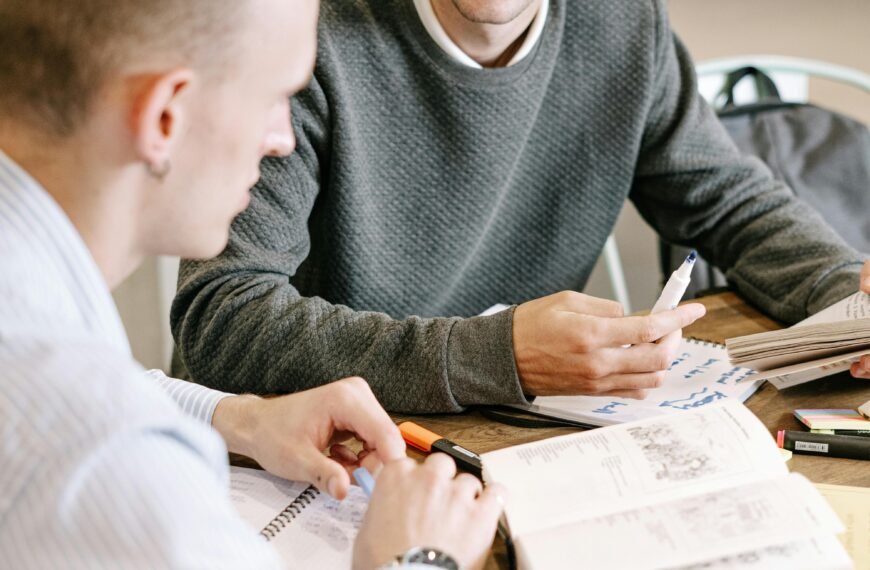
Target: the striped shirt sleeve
(194, 400)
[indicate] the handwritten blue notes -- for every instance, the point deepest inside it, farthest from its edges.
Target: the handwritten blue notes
(700, 375)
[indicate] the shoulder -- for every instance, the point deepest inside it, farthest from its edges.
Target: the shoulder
(614, 38)
(612, 12)
(617, 20)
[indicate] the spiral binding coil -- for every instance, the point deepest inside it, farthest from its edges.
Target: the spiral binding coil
(291, 512)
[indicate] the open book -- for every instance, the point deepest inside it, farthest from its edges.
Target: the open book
(852, 504)
(701, 375)
(309, 529)
(824, 344)
(704, 488)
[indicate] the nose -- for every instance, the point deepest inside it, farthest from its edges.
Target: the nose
(279, 139)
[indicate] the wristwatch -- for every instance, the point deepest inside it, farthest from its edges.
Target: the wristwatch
(426, 556)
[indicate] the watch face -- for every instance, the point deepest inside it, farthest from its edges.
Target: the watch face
(430, 557)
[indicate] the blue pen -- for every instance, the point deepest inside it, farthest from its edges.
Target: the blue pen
(365, 480)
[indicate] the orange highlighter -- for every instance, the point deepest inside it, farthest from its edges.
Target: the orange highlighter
(429, 442)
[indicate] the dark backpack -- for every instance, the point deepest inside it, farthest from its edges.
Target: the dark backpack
(823, 156)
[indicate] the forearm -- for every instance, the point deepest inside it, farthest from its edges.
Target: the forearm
(255, 334)
(782, 256)
(837, 285)
(773, 248)
(697, 189)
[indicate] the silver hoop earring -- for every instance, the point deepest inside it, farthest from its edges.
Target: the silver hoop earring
(159, 172)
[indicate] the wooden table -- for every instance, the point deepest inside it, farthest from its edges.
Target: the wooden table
(727, 316)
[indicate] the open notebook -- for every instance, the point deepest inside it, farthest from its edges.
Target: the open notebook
(700, 375)
(705, 489)
(852, 504)
(309, 529)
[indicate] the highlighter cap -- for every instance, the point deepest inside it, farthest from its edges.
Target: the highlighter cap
(418, 437)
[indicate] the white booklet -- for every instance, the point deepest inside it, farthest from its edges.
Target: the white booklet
(705, 488)
(701, 375)
(852, 504)
(824, 344)
(309, 529)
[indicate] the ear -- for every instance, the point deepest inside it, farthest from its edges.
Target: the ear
(159, 115)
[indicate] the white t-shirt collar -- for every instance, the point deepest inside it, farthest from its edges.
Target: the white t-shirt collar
(433, 26)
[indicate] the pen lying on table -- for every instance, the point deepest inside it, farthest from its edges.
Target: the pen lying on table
(425, 440)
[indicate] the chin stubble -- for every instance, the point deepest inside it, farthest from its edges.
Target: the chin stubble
(484, 17)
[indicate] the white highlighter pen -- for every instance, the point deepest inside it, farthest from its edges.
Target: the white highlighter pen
(676, 286)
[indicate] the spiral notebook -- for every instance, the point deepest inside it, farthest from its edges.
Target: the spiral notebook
(700, 375)
(309, 529)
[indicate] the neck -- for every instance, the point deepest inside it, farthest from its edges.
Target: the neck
(491, 42)
(103, 218)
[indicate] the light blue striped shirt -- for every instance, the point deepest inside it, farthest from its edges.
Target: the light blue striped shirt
(98, 468)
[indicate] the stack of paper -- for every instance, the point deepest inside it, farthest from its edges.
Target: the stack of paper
(824, 344)
(773, 349)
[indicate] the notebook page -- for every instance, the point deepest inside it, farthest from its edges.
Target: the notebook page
(323, 534)
(852, 504)
(822, 553)
(699, 376)
(260, 496)
(566, 478)
(802, 372)
(690, 530)
(855, 306)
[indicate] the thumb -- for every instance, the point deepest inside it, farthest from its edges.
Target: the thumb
(324, 473)
(865, 277)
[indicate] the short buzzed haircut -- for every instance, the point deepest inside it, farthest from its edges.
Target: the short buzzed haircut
(55, 55)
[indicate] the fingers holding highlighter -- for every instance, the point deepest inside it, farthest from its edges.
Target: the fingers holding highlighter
(426, 510)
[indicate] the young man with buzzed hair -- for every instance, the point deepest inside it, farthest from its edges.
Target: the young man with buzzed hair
(108, 111)
(458, 153)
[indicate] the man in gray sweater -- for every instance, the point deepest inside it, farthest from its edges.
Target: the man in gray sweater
(456, 153)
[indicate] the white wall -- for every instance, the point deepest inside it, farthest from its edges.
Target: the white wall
(144, 300)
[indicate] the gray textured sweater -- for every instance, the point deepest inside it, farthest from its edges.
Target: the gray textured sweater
(423, 191)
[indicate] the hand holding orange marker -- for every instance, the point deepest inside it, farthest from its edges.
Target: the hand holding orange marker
(429, 442)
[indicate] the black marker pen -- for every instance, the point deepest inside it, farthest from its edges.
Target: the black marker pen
(848, 446)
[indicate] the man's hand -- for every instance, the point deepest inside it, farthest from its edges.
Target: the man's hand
(429, 506)
(861, 369)
(569, 343)
(288, 435)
